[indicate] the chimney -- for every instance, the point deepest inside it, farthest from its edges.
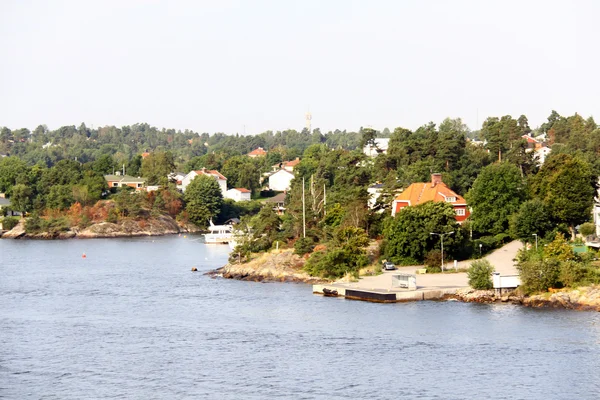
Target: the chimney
(435, 179)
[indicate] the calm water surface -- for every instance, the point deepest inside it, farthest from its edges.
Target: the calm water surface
(131, 321)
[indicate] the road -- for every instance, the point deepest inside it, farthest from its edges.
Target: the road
(501, 259)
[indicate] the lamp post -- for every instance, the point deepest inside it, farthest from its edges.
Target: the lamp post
(441, 235)
(480, 245)
(536, 236)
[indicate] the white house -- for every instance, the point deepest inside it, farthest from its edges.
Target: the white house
(238, 194)
(380, 146)
(221, 180)
(176, 178)
(280, 180)
(374, 193)
(541, 154)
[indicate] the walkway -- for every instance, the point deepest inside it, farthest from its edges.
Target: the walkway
(501, 259)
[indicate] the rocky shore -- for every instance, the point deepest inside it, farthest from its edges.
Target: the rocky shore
(276, 266)
(162, 225)
(581, 299)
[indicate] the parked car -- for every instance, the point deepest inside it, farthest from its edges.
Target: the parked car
(389, 266)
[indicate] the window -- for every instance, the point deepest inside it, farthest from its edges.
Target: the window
(115, 184)
(139, 185)
(451, 199)
(460, 211)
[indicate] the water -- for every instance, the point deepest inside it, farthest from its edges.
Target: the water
(131, 321)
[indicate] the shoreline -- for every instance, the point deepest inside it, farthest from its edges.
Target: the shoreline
(160, 226)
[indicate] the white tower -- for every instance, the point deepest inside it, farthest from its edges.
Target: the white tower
(308, 117)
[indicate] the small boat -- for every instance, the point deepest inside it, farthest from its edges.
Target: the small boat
(329, 292)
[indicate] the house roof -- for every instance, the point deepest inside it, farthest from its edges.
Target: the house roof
(258, 152)
(421, 192)
(278, 198)
(124, 179)
(282, 171)
(284, 164)
(212, 172)
(243, 190)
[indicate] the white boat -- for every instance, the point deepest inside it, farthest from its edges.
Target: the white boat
(219, 234)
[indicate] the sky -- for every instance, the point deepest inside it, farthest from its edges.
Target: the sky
(251, 66)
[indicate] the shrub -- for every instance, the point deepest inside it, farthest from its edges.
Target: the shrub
(538, 275)
(433, 261)
(587, 229)
(303, 246)
(571, 273)
(9, 222)
(480, 275)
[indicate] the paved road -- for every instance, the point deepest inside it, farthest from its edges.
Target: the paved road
(501, 259)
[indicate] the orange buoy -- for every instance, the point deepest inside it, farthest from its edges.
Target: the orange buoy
(83, 255)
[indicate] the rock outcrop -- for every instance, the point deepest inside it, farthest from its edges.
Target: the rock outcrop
(276, 266)
(583, 298)
(162, 225)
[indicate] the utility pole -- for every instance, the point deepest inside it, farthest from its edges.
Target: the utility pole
(441, 235)
(324, 200)
(303, 211)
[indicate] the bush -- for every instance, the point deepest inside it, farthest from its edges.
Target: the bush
(303, 246)
(480, 275)
(539, 275)
(433, 261)
(587, 229)
(9, 222)
(571, 273)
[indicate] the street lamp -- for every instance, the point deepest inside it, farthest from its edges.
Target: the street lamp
(536, 236)
(480, 245)
(441, 235)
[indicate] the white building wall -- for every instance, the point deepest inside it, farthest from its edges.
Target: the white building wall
(280, 180)
(189, 177)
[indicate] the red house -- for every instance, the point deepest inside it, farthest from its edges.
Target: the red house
(436, 190)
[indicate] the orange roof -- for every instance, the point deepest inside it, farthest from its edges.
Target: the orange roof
(210, 172)
(257, 152)
(292, 163)
(421, 192)
(243, 190)
(145, 154)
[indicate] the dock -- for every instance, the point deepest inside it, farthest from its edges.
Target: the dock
(385, 295)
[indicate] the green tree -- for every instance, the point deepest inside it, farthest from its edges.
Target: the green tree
(566, 185)
(157, 166)
(496, 194)
(532, 218)
(60, 197)
(20, 199)
(345, 254)
(203, 199)
(408, 236)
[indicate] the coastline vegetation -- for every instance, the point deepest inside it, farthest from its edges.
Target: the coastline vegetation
(57, 178)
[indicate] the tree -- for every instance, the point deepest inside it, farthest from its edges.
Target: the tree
(408, 236)
(566, 185)
(203, 199)
(11, 168)
(20, 199)
(532, 218)
(60, 197)
(157, 166)
(344, 254)
(496, 194)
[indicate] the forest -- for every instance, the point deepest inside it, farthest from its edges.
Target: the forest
(53, 174)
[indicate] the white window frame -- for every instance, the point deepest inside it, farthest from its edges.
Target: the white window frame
(460, 212)
(450, 199)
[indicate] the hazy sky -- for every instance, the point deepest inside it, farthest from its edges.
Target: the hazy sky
(215, 66)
